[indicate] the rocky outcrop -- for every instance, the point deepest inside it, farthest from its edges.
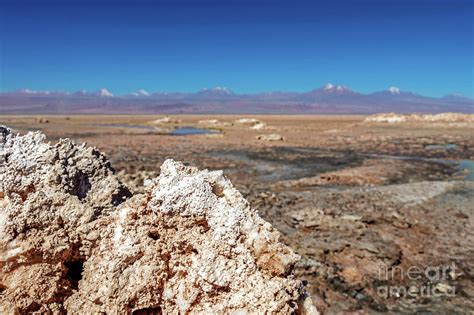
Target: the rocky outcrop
(73, 239)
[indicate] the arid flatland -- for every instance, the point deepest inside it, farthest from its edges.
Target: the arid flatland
(351, 197)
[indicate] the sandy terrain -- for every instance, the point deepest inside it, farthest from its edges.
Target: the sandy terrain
(354, 198)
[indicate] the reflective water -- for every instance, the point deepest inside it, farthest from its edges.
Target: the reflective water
(449, 146)
(469, 166)
(188, 130)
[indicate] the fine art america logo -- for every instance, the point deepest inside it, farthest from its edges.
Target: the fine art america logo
(434, 279)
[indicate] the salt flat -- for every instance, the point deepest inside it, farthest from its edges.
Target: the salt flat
(352, 197)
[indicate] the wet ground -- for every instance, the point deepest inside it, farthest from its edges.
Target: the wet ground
(373, 209)
(175, 131)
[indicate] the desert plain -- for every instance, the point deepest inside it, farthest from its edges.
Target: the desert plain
(373, 208)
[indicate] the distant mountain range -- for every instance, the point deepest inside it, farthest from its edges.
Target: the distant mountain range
(328, 99)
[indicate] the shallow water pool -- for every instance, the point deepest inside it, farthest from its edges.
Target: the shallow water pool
(188, 130)
(467, 165)
(449, 146)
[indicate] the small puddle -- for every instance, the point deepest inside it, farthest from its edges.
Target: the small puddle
(449, 146)
(178, 131)
(187, 130)
(469, 166)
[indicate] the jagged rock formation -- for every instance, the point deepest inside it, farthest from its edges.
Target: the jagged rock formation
(73, 239)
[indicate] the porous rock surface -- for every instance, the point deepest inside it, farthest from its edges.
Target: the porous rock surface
(73, 239)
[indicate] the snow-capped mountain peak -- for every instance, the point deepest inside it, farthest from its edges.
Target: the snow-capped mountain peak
(29, 91)
(218, 90)
(105, 93)
(394, 90)
(42, 92)
(141, 92)
(223, 90)
(328, 86)
(457, 97)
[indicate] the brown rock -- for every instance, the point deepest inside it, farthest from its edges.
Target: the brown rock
(72, 239)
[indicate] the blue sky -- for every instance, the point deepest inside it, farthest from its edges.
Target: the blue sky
(424, 46)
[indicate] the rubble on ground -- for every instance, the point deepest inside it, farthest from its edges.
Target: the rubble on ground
(349, 237)
(73, 239)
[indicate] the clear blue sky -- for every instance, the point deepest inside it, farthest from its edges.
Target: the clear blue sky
(424, 46)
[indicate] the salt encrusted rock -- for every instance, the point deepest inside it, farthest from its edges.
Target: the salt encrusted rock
(209, 122)
(248, 121)
(270, 137)
(214, 123)
(71, 241)
(260, 126)
(166, 120)
(442, 117)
